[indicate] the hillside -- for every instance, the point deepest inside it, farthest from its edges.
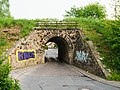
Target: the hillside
(106, 36)
(12, 30)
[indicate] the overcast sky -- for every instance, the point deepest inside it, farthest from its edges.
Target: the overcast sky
(32, 9)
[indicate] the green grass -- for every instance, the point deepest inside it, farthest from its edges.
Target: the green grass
(24, 25)
(114, 76)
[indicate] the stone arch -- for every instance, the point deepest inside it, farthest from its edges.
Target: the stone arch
(64, 36)
(75, 49)
(65, 45)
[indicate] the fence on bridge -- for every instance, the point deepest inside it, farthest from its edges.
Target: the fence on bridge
(56, 25)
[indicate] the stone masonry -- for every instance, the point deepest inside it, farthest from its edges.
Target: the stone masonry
(72, 49)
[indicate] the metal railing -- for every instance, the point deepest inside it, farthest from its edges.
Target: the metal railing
(56, 25)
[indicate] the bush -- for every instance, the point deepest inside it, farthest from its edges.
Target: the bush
(114, 76)
(3, 41)
(94, 10)
(6, 82)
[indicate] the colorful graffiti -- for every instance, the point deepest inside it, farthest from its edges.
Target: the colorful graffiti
(25, 55)
(81, 56)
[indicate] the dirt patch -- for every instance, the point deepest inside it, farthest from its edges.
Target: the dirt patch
(11, 33)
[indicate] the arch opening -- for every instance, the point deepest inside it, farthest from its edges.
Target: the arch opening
(62, 46)
(51, 51)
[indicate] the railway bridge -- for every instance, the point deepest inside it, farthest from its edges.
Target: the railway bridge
(72, 47)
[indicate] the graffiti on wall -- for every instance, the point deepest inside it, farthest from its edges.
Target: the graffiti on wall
(81, 56)
(23, 55)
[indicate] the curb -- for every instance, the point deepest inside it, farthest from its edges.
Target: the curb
(96, 78)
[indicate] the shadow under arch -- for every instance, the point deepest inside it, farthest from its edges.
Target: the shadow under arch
(63, 48)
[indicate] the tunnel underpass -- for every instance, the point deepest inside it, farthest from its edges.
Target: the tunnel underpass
(62, 48)
(72, 48)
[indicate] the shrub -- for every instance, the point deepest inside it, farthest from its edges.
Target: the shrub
(6, 82)
(114, 76)
(3, 41)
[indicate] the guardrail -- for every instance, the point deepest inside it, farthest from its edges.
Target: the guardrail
(56, 25)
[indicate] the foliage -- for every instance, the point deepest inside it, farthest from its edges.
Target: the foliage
(6, 82)
(94, 10)
(114, 76)
(3, 41)
(87, 23)
(116, 6)
(46, 47)
(4, 8)
(106, 36)
(25, 26)
(111, 38)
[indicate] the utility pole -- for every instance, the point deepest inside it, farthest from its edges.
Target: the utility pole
(116, 9)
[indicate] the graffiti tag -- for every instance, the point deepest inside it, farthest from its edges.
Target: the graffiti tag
(25, 55)
(81, 56)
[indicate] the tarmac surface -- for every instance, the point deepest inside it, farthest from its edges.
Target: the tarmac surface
(55, 75)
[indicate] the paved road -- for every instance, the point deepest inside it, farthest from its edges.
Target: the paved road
(55, 75)
(51, 53)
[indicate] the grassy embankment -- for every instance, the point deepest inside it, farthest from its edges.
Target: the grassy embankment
(106, 36)
(12, 30)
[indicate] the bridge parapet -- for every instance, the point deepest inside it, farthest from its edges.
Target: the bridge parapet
(65, 25)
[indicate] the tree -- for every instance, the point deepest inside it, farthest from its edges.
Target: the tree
(94, 10)
(4, 8)
(116, 9)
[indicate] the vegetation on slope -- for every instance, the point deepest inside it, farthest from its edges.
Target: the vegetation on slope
(6, 82)
(7, 33)
(10, 31)
(104, 33)
(106, 36)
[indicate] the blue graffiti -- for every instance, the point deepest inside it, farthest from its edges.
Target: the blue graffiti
(25, 55)
(81, 56)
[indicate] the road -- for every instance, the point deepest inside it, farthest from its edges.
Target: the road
(55, 75)
(51, 53)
